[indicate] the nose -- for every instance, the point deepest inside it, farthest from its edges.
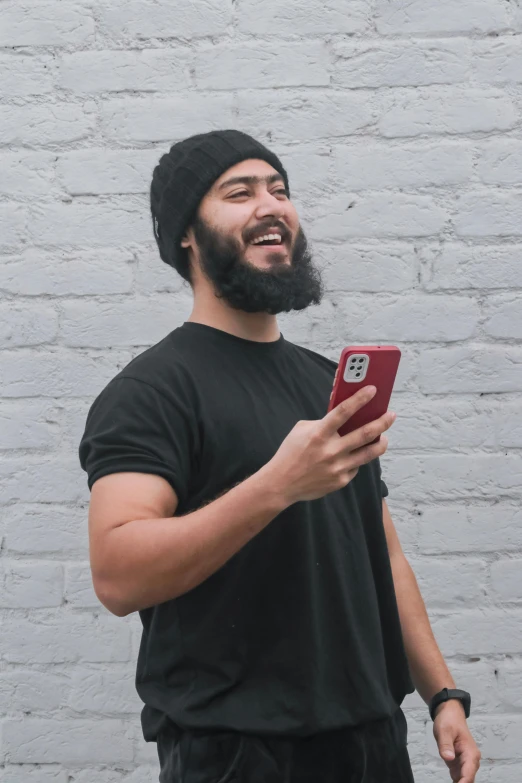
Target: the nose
(270, 206)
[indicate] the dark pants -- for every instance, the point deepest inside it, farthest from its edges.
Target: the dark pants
(374, 752)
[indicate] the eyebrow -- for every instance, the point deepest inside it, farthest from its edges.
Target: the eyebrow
(251, 181)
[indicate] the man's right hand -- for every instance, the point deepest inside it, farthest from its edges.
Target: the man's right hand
(314, 460)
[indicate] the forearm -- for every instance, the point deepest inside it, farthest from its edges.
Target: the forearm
(428, 669)
(155, 560)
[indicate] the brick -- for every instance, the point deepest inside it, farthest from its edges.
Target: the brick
(30, 585)
(98, 171)
(71, 741)
(377, 215)
(400, 63)
(488, 632)
(508, 425)
(43, 529)
(417, 319)
(26, 174)
(303, 117)
(155, 276)
(57, 373)
(26, 75)
(102, 692)
(27, 773)
(450, 584)
(20, 326)
(36, 272)
(29, 424)
(363, 165)
(13, 220)
(504, 317)
(500, 162)
(452, 110)
(166, 119)
(45, 24)
(457, 266)
(303, 17)
(65, 639)
(32, 480)
(470, 528)
(128, 324)
(421, 16)
(142, 19)
(309, 168)
(509, 683)
(72, 415)
(470, 368)
(144, 70)
(498, 61)
(90, 224)
(138, 774)
(445, 423)
(456, 476)
(389, 267)
(318, 321)
(228, 67)
(146, 753)
(505, 580)
(46, 124)
(24, 690)
(489, 213)
(79, 590)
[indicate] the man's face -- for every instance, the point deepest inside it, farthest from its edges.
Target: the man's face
(269, 278)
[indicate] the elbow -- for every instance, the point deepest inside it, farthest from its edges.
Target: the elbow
(110, 597)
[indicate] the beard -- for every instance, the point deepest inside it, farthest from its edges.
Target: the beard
(281, 288)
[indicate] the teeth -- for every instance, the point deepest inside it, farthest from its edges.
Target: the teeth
(267, 236)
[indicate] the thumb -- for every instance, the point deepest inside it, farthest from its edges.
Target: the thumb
(446, 747)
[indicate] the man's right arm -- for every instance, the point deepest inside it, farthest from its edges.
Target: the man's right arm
(157, 556)
(143, 555)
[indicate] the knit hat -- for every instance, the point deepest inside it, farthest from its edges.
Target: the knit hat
(185, 174)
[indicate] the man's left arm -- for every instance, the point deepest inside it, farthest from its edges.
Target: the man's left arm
(428, 669)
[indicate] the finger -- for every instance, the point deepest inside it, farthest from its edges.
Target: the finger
(468, 771)
(367, 453)
(367, 433)
(342, 412)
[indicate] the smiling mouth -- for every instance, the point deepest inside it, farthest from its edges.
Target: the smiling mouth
(272, 241)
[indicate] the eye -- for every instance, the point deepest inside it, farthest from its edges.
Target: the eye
(244, 193)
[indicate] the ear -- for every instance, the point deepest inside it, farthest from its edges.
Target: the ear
(188, 237)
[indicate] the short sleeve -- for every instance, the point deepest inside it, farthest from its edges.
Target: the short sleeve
(132, 427)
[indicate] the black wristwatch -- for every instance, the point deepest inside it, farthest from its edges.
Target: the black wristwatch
(450, 693)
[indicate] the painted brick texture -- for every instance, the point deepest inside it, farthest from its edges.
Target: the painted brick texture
(400, 123)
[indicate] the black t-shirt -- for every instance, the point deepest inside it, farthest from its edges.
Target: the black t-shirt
(299, 631)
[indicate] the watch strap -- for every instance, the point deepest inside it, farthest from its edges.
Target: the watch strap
(450, 693)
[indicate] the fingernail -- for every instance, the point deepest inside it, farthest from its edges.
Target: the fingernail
(372, 389)
(393, 416)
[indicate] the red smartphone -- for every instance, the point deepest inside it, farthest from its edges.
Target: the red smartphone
(365, 365)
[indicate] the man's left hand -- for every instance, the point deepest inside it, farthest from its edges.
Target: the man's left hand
(456, 745)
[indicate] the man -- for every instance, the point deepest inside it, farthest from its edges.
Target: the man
(282, 624)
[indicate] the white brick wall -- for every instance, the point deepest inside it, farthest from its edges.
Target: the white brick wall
(400, 123)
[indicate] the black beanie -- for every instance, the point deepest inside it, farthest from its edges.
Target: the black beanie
(185, 174)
